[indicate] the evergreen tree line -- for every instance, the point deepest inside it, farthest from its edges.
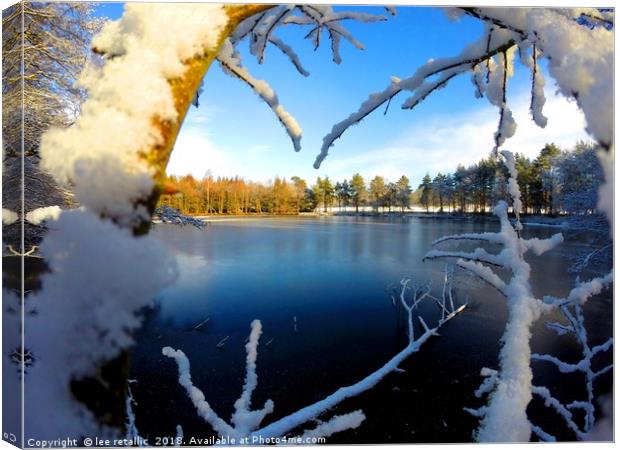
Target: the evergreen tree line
(355, 193)
(555, 182)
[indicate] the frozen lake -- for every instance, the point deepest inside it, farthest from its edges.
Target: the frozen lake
(333, 275)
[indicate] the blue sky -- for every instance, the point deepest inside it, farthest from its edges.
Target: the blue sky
(234, 133)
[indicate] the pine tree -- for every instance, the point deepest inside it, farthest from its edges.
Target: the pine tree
(358, 191)
(427, 191)
(377, 191)
(403, 196)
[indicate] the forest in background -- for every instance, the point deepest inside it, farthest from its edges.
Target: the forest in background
(556, 182)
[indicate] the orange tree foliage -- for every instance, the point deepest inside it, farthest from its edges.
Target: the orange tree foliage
(235, 195)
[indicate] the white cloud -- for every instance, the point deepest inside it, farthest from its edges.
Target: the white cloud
(194, 153)
(436, 144)
(441, 143)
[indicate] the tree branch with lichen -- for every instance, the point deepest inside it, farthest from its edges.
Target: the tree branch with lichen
(184, 90)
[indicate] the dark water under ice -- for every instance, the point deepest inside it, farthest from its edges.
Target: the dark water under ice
(334, 276)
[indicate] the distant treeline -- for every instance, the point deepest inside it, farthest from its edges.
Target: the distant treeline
(556, 181)
(236, 195)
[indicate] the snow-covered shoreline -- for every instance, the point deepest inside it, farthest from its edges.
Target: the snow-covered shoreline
(531, 221)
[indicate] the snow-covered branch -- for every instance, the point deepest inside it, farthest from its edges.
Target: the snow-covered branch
(335, 425)
(540, 246)
(244, 419)
(562, 366)
(174, 216)
(9, 217)
(445, 68)
(571, 308)
(509, 388)
(497, 22)
(260, 29)
(582, 292)
(484, 237)
(537, 92)
(560, 408)
(485, 274)
(478, 255)
(290, 53)
(231, 64)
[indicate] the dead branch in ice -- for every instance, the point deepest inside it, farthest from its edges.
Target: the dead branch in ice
(245, 422)
(222, 342)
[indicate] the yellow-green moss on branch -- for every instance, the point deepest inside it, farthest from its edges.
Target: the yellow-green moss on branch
(183, 91)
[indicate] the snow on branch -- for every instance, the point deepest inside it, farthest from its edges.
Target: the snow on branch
(582, 292)
(580, 59)
(602, 252)
(540, 246)
(496, 93)
(40, 215)
(170, 215)
(231, 64)
(485, 274)
(504, 417)
(335, 425)
(572, 309)
(246, 422)
(117, 134)
(478, 255)
(9, 217)
(509, 388)
(484, 237)
(590, 16)
(243, 418)
(495, 21)
(260, 30)
(562, 366)
(429, 87)
(445, 68)
(270, 19)
(560, 408)
(513, 186)
(490, 380)
(542, 434)
(196, 396)
(537, 92)
(290, 53)
(132, 433)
